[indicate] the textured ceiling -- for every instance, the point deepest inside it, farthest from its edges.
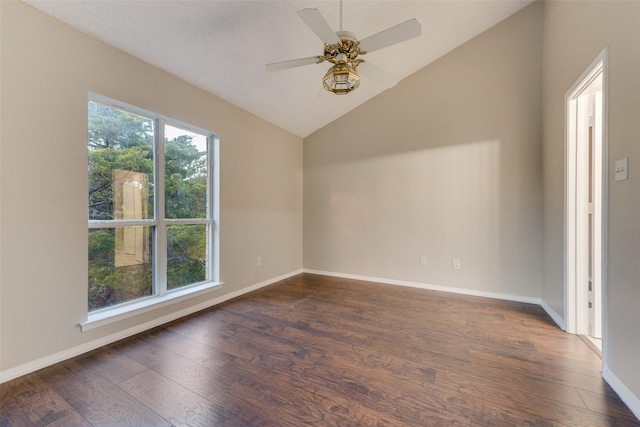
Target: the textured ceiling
(222, 46)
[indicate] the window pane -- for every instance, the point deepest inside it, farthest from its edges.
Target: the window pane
(185, 174)
(120, 148)
(120, 265)
(186, 255)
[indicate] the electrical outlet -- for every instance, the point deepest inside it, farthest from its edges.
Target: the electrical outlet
(259, 261)
(622, 169)
(423, 261)
(456, 264)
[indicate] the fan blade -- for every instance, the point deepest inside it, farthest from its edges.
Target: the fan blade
(314, 19)
(396, 34)
(370, 71)
(292, 63)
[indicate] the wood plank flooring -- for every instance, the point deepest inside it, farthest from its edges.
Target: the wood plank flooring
(321, 351)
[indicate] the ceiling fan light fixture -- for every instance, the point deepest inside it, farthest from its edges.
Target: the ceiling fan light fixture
(343, 49)
(341, 79)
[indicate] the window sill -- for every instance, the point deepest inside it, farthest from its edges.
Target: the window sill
(123, 311)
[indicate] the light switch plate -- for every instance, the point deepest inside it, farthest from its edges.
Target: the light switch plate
(622, 169)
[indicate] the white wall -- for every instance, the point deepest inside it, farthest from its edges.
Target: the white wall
(445, 165)
(47, 70)
(575, 33)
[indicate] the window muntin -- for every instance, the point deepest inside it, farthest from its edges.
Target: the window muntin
(150, 206)
(185, 174)
(186, 254)
(120, 265)
(120, 149)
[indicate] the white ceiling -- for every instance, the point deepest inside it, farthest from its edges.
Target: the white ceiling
(222, 46)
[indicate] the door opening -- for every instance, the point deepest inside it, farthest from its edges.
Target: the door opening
(585, 200)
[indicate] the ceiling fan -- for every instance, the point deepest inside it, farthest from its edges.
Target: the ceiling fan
(343, 50)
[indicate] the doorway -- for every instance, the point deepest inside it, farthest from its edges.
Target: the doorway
(585, 267)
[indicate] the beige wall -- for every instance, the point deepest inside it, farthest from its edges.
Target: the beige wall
(575, 33)
(47, 70)
(445, 165)
(465, 159)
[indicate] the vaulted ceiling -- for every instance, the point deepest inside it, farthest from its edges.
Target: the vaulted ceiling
(222, 46)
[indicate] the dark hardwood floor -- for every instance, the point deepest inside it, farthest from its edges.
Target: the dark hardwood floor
(322, 351)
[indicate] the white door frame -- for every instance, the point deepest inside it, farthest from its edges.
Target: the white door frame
(575, 204)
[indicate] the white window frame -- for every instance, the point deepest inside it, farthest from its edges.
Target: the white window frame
(161, 295)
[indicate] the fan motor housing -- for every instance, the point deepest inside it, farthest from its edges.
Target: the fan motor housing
(349, 46)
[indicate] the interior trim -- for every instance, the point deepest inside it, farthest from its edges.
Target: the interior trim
(623, 392)
(43, 362)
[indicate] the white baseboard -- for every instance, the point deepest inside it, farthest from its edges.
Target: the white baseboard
(629, 399)
(618, 386)
(555, 316)
(472, 292)
(507, 297)
(43, 362)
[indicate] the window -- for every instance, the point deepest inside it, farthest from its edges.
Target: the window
(152, 228)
